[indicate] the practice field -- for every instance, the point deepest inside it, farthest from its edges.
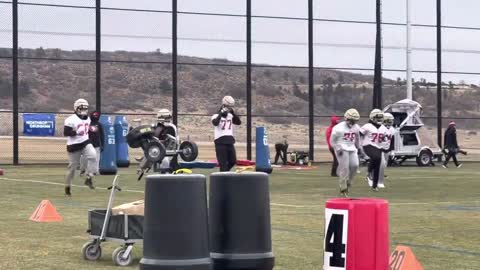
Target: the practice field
(433, 210)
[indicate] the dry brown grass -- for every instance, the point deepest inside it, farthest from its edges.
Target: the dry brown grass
(52, 149)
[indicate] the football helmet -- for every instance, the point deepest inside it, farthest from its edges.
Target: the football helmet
(95, 116)
(376, 116)
(80, 106)
(228, 101)
(352, 116)
(388, 119)
(164, 116)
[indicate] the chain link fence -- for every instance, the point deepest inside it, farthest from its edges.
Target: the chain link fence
(135, 57)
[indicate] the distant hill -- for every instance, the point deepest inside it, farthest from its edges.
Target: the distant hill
(131, 87)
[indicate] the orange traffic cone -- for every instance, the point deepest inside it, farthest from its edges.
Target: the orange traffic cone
(402, 258)
(45, 212)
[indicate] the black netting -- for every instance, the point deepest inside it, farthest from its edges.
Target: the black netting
(56, 32)
(57, 64)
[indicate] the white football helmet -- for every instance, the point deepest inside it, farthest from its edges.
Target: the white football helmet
(388, 119)
(80, 106)
(351, 116)
(228, 101)
(164, 116)
(376, 116)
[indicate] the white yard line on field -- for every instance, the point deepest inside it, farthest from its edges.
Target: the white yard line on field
(392, 204)
(439, 177)
(59, 184)
(272, 204)
(294, 206)
(428, 203)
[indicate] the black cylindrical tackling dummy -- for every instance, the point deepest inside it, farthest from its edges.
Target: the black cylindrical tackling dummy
(239, 219)
(175, 228)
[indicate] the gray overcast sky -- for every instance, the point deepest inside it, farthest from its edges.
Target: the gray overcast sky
(264, 31)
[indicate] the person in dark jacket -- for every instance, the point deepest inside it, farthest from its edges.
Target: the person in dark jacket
(95, 135)
(281, 152)
(450, 145)
(328, 133)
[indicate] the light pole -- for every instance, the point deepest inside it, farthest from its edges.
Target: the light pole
(409, 51)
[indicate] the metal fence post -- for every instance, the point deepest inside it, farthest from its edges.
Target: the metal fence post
(15, 79)
(377, 77)
(439, 72)
(311, 100)
(174, 63)
(249, 79)
(98, 56)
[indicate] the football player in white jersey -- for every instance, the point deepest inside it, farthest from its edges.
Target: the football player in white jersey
(76, 129)
(223, 122)
(388, 146)
(373, 137)
(166, 131)
(345, 142)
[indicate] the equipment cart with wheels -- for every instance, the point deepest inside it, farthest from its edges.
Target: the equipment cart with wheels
(412, 140)
(104, 227)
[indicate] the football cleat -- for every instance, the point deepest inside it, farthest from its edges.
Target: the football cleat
(68, 192)
(370, 181)
(344, 193)
(89, 183)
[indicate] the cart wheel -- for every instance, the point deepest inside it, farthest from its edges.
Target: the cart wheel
(91, 251)
(188, 151)
(154, 151)
(117, 257)
(424, 158)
